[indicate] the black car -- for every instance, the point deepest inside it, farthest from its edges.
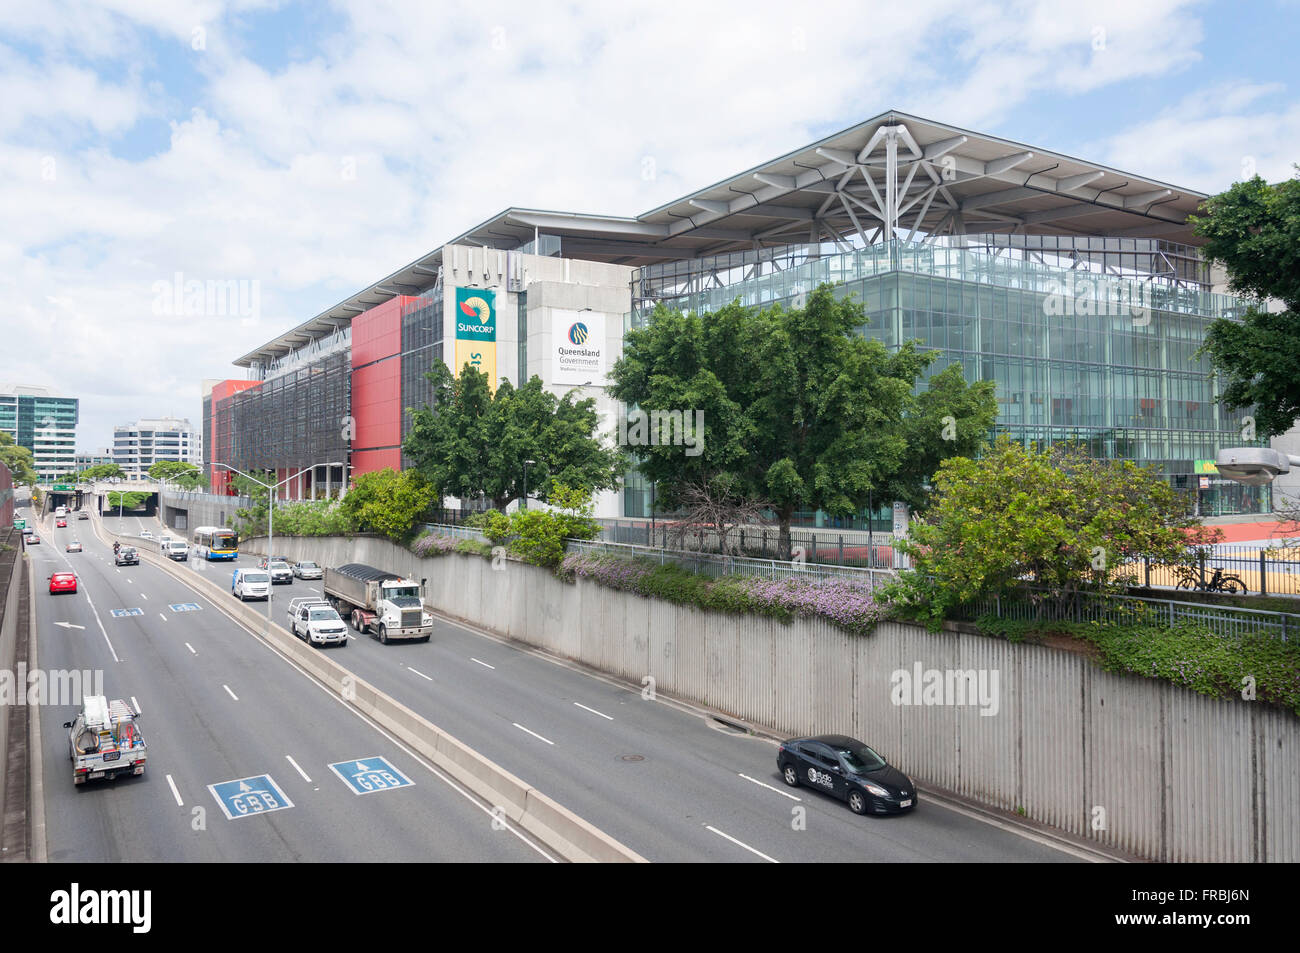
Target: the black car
(849, 770)
(127, 556)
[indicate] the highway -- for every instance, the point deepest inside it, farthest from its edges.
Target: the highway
(664, 779)
(220, 706)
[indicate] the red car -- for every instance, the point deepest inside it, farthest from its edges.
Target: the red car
(61, 524)
(63, 582)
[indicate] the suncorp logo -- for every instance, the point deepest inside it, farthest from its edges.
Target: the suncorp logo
(578, 334)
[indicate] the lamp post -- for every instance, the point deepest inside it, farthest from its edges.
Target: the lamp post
(523, 504)
(270, 520)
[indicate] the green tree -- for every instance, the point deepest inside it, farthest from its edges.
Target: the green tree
(184, 475)
(1253, 230)
(252, 520)
(539, 535)
(1057, 519)
(798, 407)
(389, 502)
(19, 460)
(128, 500)
(472, 444)
(103, 471)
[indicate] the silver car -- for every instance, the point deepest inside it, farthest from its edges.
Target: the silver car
(308, 570)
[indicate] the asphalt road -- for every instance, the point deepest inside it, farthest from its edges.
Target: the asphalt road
(219, 706)
(667, 782)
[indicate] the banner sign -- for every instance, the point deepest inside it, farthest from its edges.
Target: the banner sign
(476, 332)
(578, 348)
(1205, 466)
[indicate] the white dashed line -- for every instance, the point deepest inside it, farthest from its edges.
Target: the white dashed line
(421, 674)
(175, 793)
(738, 843)
(161, 616)
(593, 711)
(533, 733)
(484, 664)
(143, 596)
(191, 648)
(135, 704)
(230, 693)
(298, 769)
(770, 788)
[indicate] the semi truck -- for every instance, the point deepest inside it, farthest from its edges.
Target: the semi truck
(378, 602)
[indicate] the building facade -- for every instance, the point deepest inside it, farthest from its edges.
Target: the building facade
(138, 446)
(45, 424)
(83, 461)
(1077, 288)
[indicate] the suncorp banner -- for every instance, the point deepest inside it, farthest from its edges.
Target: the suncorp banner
(476, 332)
(578, 348)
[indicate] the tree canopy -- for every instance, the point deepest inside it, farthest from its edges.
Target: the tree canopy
(1253, 230)
(472, 444)
(797, 406)
(388, 502)
(19, 460)
(182, 474)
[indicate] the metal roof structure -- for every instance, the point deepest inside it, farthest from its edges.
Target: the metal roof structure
(895, 175)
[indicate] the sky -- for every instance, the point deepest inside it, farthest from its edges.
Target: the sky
(302, 151)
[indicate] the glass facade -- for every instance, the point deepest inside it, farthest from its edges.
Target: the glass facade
(1076, 355)
(46, 426)
(288, 421)
(422, 344)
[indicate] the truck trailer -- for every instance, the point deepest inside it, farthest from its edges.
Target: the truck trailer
(378, 602)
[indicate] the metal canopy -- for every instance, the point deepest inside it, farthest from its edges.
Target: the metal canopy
(895, 175)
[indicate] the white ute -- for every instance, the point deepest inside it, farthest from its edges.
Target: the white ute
(315, 621)
(104, 740)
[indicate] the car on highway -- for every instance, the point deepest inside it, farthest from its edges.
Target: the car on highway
(63, 582)
(33, 539)
(177, 549)
(73, 547)
(83, 515)
(127, 556)
(105, 740)
(250, 584)
(145, 534)
(279, 570)
(308, 570)
(60, 523)
(315, 622)
(847, 769)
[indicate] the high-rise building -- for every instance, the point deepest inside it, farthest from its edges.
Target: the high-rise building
(138, 446)
(44, 423)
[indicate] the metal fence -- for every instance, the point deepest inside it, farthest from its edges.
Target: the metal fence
(448, 529)
(868, 549)
(1228, 621)
(712, 564)
(1267, 569)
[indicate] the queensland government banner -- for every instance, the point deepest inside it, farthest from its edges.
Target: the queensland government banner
(476, 332)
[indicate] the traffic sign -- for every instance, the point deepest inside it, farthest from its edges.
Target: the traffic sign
(370, 775)
(20, 522)
(62, 488)
(184, 607)
(245, 797)
(120, 613)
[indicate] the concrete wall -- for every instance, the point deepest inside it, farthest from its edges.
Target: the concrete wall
(1169, 774)
(198, 509)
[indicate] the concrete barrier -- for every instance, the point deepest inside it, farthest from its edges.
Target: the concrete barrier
(555, 826)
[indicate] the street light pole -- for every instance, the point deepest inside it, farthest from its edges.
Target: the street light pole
(270, 520)
(523, 504)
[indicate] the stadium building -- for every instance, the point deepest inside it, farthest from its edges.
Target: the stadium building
(1078, 288)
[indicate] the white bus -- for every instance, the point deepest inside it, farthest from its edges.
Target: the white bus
(215, 542)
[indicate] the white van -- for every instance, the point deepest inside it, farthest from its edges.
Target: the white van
(251, 584)
(61, 511)
(178, 550)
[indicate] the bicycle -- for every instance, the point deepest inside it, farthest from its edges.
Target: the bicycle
(1220, 581)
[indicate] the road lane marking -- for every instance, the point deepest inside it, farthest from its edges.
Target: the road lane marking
(191, 648)
(135, 704)
(533, 733)
(230, 693)
(298, 769)
(593, 711)
(484, 664)
(421, 674)
(102, 629)
(770, 788)
(143, 596)
(161, 616)
(175, 793)
(738, 843)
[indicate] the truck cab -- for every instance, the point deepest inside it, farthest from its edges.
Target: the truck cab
(104, 740)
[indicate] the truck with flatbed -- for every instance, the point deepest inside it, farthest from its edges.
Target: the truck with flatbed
(104, 740)
(379, 602)
(315, 621)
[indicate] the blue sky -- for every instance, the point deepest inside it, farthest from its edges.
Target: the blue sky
(315, 147)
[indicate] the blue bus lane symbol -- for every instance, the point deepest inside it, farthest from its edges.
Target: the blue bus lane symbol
(245, 797)
(369, 775)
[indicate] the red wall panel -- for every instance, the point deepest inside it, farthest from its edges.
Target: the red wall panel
(377, 387)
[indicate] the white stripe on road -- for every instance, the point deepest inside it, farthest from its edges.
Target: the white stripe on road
(593, 711)
(298, 769)
(770, 788)
(741, 844)
(484, 664)
(102, 629)
(533, 733)
(135, 704)
(421, 674)
(142, 595)
(230, 693)
(161, 616)
(175, 793)
(191, 648)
